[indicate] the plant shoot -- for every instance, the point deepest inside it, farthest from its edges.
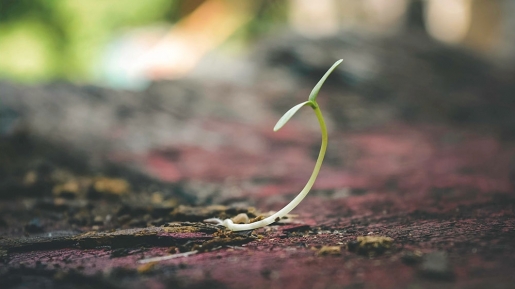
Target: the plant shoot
(228, 223)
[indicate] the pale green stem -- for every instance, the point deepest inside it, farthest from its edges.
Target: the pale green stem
(284, 211)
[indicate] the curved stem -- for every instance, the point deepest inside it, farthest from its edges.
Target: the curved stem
(284, 211)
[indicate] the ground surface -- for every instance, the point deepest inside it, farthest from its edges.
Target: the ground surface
(399, 203)
(443, 197)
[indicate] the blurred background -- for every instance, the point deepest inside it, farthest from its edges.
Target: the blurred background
(183, 91)
(124, 45)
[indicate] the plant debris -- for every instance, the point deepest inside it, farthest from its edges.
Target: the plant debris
(146, 267)
(329, 250)
(370, 245)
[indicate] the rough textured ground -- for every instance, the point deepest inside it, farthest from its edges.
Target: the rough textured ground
(399, 203)
(443, 197)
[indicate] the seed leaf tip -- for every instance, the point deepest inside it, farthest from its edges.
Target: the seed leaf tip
(286, 117)
(314, 93)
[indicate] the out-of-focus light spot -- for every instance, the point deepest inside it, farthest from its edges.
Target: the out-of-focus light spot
(26, 51)
(384, 15)
(314, 18)
(485, 24)
(118, 69)
(135, 61)
(448, 20)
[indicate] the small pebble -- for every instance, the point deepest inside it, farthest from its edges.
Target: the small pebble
(436, 265)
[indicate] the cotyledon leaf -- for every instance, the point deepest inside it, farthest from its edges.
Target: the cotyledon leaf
(314, 93)
(286, 117)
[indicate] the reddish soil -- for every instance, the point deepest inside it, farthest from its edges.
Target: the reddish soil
(444, 196)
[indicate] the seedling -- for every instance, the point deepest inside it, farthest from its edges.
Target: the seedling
(229, 224)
